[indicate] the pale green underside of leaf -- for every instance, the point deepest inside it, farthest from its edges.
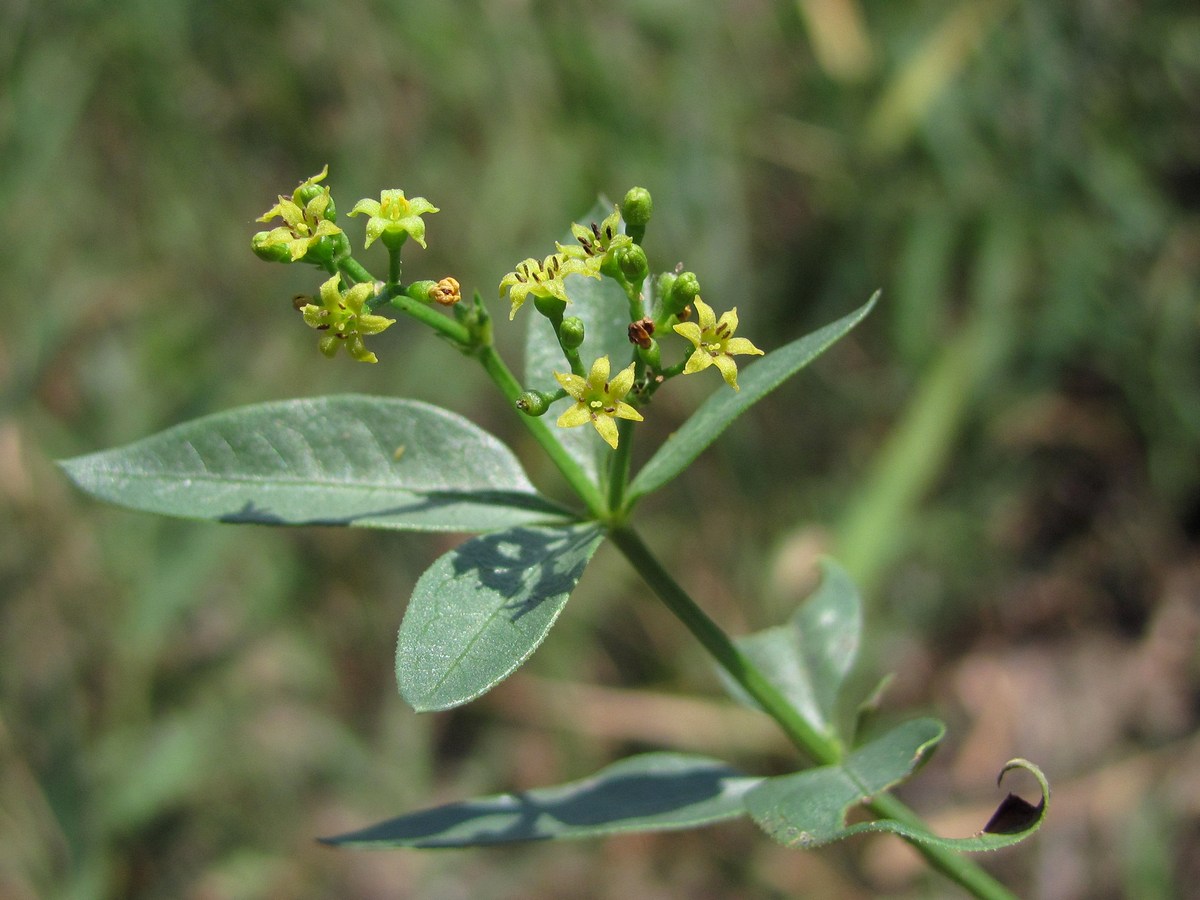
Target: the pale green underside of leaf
(342, 460)
(723, 406)
(809, 808)
(808, 658)
(604, 309)
(480, 610)
(650, 792)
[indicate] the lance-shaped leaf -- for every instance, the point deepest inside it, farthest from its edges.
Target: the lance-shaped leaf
(342, 460)
(723, 406)
(808, 658)
(604, 309)
(480, 610)
(650, 792)
(809, 808)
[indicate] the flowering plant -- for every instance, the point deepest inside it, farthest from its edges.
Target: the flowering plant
(483, 608)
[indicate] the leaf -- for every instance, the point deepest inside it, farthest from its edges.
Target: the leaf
(809, 808)
(343, 460)
(808, 658)
(604, 309)
(480, 610)
(723, 406)
(649, 792)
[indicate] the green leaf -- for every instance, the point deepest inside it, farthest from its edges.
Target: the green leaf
(604, 309)
(809, 808)
(808, 658)
(650, 792)
(343, 460)
(480, 610)
(723, 406)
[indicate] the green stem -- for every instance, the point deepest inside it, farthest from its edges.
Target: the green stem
(393, 265)
(448, 328)
(619, 466)
(820, 748)
(355, 270)
(570, 469)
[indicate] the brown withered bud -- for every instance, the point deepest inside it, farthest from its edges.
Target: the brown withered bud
(684, 314)
(447, 291)
(300, 301)
(641, 331)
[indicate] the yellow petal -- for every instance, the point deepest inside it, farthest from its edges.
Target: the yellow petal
(729, 320)
(741, 346)
(572, 384)
(689, 330)
(728, 370)
(608, 430)
(619, 386)
(599, 373)
(697, 362)
(625, 411)
(707, 319)
(574, 415)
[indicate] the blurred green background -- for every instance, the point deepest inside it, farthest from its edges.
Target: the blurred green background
(1006, 454)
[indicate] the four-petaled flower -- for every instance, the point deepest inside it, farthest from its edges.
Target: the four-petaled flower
(598, 399)
(542, 279)
(395, 218)
(714, 342)
(308, 216)
(344, 320)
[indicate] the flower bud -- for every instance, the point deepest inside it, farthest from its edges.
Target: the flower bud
(683, 291)
(634, 265)
(635, 210)
(533, 403)
(309, 191)
(570, 333)
(270, 250)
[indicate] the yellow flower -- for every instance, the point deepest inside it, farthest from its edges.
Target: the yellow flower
(542, 279)
(343, 319)
(308, 217)
(395, 217)
(598, 399)
(714, 343)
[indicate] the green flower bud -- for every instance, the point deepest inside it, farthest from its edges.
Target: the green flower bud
(266, 248)
(662, 285)
(533, 403)
(570, 333)
(635, 210)
(634, 265)
(308, 191)
(684, 290)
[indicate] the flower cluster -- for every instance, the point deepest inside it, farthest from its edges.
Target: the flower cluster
(308, 216)
(343, 318)
(667, 305)
(612, 249)
(542, 279)
(343, 309)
